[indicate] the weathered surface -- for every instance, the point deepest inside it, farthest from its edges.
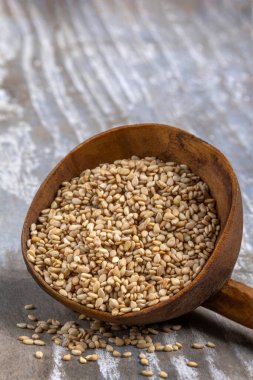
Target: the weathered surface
(70, 69)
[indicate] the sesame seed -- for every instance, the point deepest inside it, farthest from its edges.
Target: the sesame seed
(163, 374)
(192, 364)
(39, 354)
(66, 357)
(211, 345)
(198, 345)
(146, 373)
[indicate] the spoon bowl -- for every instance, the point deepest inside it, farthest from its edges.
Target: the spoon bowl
(168, 144)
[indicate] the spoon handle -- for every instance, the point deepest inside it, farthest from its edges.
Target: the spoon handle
(234, 301)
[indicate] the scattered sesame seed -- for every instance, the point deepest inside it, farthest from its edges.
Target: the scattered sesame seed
(192, 364)
(146, 373)
(198, 345)
(211, 345)
(66, 357)
(30, 306)
(39, 354)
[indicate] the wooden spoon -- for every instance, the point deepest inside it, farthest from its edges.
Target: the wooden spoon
(212, 287)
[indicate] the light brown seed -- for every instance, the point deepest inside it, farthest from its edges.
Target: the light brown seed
(168, 348)
(66, 357)
(163, 374)
(39, 342)
(76, 353)
(22, 337)
(109, 348)
(119, 341)
(147, 373)
(153, 331)
(28, 341)
(151, 348)
(176, 327)
(192, 364)
(30, 326)
(211, 345)
(117, 354)
(82, 360)
(21, 325)
(30, 306)
(92, 358)
(39, 354)
(198, 345)
(144, 361)
(127, 354)
(32, 317)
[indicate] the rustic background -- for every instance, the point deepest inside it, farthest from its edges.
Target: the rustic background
(69, 69)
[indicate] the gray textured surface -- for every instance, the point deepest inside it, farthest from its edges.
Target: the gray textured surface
(69, 69)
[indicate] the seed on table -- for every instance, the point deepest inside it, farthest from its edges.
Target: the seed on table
(77, 353)
(127, 354)
(144, 361)
(163, 374)
(92, 358)
(30, 306)
(153, 331)
(38, 330)
(79, 347)
(39, 354)
(141, 344)
(142, 356)
(117, 354)
(27, 341)
(109, 348)
(119, 341)
(32, 317)
(21, 325)
(22, 337)
(179, 345)
(159, 346)
(176, 327)
(51, 331)
(66, 357)
(57, 341)
(192, 364)
(151, 348)
(82, 316)
(166, 329)
(82, 360)
(168, 348)
(198, 345)
(30, 326)
(211, 345)
(35, 336)
(39, 342)
(147, 373)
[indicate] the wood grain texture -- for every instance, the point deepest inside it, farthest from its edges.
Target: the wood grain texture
(69, 69)
(234, 301)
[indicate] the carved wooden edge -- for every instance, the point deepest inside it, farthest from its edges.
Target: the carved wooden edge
(234, 301)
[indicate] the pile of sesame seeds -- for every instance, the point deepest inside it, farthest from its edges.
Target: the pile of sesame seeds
(78, 338)
(124, 236)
